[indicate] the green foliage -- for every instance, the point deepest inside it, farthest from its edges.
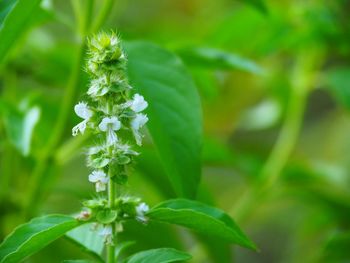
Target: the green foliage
(265, 115)
(15, 23)
(6, 7)
(20, 124)
(212, 58)
(87, 240)
(258, 4)
(174, 112)
(338, 82)
(33, 236)
(159, 255)
(77, 261)
(201, 218)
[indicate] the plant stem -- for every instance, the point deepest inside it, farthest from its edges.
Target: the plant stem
(105, 10)
(111, 204)
(271, 171)
(38, 174)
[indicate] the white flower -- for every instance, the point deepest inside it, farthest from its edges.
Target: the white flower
(138, 103)
(107, 234)
(100, 179)
(83, 111)
(141, 209)
(138, 122)
(110, 125)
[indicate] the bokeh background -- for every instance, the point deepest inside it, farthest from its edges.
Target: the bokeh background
(274, 81)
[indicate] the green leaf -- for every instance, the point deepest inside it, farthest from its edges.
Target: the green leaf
(121, 246)
(15, 23)
(258, 4)
(77, 261)
(337, 248)
(338, 82)
(31, 237)
(174, 111)
(159, 255)
(201, 218)
(20, 125)
(88, 240)
(5, 7)
(205, 57)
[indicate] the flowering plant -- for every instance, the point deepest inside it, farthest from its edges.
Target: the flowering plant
(115, 120)
(114, 116)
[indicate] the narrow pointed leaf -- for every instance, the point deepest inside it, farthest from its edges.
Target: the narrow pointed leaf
(15, 21)
(31, 237)
(159, 255)
(201, 218)
(206, 57)
(174, 111)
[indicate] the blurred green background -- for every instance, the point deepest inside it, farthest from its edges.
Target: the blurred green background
(274, 81)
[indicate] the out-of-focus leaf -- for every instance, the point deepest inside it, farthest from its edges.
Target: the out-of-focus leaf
(159, 255)
(31, 237)
(206, 57)
(15, 23)
(5, 7)
(202, 218)
(338, 83)
(88, 240)
(174, 111)
(337, 248)
(78, 261)
(121, 246)
(20, 125)
(148, 165)
(258, 4)
(153, 235)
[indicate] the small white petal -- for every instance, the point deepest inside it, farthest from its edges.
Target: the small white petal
(83, 111)
(138, 103)
(80, 127)
(100, 187)
(105, 231)
(112, 123)
(107, 234)
(96, 176)
(142, 208)
(115, 123)
(136, 124)
(139, 121)
(103, 124)
(112, 138)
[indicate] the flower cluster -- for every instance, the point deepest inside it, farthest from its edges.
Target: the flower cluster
(114, 118)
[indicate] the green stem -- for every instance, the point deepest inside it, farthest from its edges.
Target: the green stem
(270, 173)
(87, 17)
(105, 10)
(38, 174)
(111, 205)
